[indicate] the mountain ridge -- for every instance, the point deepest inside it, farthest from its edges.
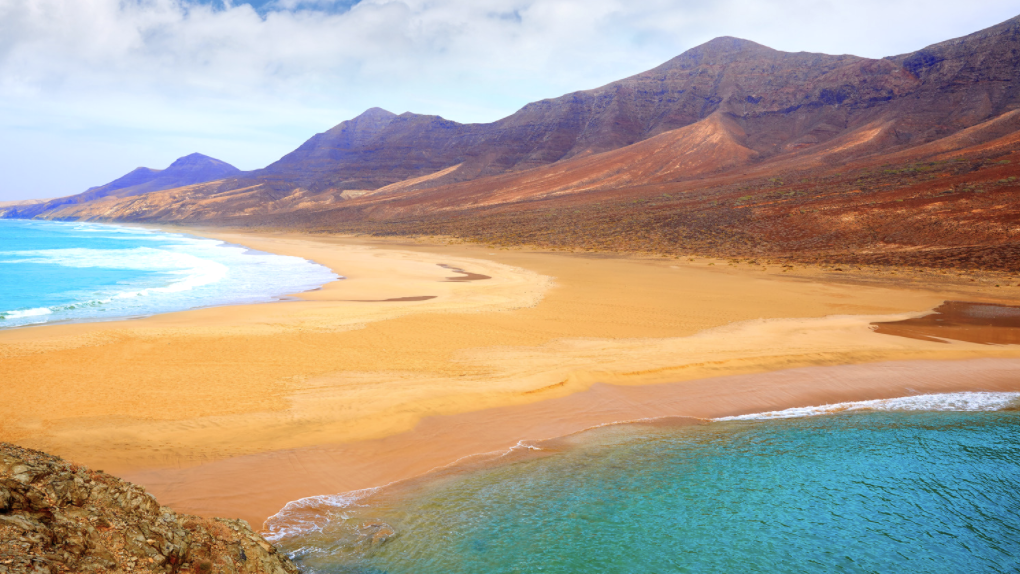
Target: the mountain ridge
(186, 170)
(716, 120)
(543, 132)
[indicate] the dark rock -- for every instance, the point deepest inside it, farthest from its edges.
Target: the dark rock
(375, 533)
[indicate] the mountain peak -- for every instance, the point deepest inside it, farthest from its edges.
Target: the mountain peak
(730, 44)
(726, 47)
(190, 169)
(196, 159)
(376, 114)
(187, 170)
(992, 50)
(719, 51)
(196, 166)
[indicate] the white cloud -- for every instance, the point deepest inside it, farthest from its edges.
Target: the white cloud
(141, 78)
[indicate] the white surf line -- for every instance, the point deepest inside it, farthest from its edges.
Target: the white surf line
(966, 401)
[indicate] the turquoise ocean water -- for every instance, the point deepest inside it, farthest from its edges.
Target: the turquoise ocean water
(58, 271)
(880, 487)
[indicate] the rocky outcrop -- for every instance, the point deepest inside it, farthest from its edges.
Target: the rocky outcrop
(58, 517)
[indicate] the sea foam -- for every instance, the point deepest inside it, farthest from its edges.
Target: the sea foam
(27, 313)
(967, 401)
(310, 514)
(84, 271)
(315, 513)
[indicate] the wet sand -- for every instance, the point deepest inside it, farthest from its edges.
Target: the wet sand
(183, 403)
(464, 275)
(984, 323)
(227, 488)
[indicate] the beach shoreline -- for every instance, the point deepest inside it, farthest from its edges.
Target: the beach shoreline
(89, 272)
(232, 410)
(447, 442)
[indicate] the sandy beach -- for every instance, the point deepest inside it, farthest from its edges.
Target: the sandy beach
(428, 352)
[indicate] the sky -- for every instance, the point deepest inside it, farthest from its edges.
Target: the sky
(91, 89)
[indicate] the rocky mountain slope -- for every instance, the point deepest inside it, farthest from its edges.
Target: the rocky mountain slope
(727, 75)
(782, 102)
(57, 517)
(730, 148)
(187, 170)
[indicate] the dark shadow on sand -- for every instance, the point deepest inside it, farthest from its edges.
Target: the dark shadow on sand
(467, 275)
(984, 323)
(395, 299)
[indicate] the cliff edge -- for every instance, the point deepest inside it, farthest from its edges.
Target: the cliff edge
(58, 517)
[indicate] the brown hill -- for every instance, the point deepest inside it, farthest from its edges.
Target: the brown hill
(731, 147)
(784, 101)
(187, 170)
(726, 75)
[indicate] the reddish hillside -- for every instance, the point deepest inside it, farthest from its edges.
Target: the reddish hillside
(730, 148)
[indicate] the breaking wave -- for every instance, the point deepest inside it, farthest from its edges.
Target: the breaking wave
(970, 401)
(95, 272)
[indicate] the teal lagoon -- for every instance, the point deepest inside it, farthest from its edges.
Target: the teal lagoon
(882, 489)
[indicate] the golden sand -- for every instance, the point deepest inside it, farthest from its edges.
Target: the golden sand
(214, 409)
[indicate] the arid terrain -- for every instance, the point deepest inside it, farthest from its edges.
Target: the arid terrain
(731, 149)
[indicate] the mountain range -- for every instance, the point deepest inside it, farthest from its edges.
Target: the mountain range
(731, 148)
(187, 170)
